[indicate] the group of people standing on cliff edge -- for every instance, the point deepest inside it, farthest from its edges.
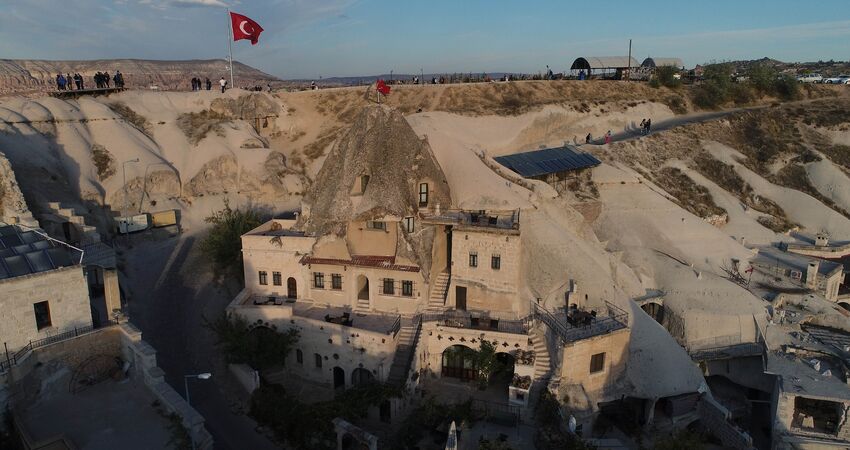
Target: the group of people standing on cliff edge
(101, 80)
(198, 85)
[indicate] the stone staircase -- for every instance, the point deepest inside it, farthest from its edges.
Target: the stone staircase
(437, 300)
(362, 305)
(542, 366)
(84, 233)
(408, 335)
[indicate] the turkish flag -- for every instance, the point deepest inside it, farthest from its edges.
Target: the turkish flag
(382, 87)
(245, 28)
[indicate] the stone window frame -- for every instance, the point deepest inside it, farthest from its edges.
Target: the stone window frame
(409, 224)
(263, 278)
(336, 281)
(473, 259)
(318, 280)
(407, 288)
(277, 279)
(376, 225)
(597, 363)
(388, 282)
(496, 261)
(317, 360)
(424, 191)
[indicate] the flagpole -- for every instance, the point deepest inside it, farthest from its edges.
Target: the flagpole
(230, 45)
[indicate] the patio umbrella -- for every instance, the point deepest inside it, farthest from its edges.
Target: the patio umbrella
(451, 444)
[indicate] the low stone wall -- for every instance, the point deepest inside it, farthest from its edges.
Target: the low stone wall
(717, 419)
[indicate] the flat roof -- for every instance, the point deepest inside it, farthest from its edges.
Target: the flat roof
(549, 160)
(27, 252)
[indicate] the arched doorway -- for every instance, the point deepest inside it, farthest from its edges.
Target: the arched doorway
(361, 376)
(459, 362)
(339, 378)
(844, 305)
(362, 288)
(291, 288)
(654, 310)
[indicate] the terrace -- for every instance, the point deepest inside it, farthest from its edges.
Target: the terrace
(576, 324)
(478, 321)
(272, 308)
(486, 219)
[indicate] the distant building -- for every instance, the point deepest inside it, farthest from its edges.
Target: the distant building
(663, 62)
(607, 66)
(819, 275)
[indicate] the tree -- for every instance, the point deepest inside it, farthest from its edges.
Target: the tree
(223, 244)
(762, 77)
(259, 347)
(666, 76)
(485, 363)
(714, 90)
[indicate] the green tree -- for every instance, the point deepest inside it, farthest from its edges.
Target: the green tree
(762, 77)
(666, 76)
(259, 347)
(485, 363)
(714, 90)
(223, 243)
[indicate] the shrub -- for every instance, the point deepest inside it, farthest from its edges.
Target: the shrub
(787, 88)
(197, 125)
(710, 95)
(259, 347)
(689, 195)
(223, 243)
(103, 162)
(131, 117)
(665, 76)
(741, 94)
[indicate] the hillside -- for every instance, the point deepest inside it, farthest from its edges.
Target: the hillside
(28, 76)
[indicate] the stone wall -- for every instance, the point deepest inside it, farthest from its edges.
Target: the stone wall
(717, 418)
(67, 293)
(488, 289)
(575, 368)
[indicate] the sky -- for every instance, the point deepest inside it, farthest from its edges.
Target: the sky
(308, 39)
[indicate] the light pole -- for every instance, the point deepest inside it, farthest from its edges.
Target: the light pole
(124, 174)
(200, 376)
(421, 76)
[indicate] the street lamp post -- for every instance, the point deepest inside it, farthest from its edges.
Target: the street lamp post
(200, 376)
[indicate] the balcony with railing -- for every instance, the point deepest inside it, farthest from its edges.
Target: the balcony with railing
(484, 219)
(577, 324)
(478, 321)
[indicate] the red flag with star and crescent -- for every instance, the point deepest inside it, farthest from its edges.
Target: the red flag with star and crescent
(245, 28)
(382, 87)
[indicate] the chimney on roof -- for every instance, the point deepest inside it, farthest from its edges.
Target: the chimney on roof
(812, 274)
(822, 240)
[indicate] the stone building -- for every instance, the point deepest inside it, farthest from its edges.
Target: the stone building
(387, 281)
(43, 289)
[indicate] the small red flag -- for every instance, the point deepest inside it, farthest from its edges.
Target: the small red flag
(382, 87)
(245, 28)
(750, 270)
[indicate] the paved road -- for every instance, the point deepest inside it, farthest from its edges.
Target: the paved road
(171, 291)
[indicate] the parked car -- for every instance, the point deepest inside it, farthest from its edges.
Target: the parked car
(841, 79)
(810, 78)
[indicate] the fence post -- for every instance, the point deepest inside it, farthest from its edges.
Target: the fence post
(8, 361)
(75, 331)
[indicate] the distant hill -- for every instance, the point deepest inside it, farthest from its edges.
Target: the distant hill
(405, 77)
(27, 76)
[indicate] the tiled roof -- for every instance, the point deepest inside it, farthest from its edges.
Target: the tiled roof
(382, 262)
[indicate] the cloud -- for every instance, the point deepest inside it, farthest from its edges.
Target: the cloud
(198, 3)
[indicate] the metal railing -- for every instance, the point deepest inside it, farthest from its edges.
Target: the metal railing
(396, 327)
(14, 358)
(614, 319)
(498, 412)
(466, 319)
(480, 218)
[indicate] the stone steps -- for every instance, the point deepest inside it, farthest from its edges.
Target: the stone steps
(437, 300)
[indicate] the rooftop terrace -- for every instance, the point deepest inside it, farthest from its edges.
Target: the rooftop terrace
(484, 219)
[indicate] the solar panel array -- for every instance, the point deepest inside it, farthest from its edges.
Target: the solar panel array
(27, 252)
(546, 161)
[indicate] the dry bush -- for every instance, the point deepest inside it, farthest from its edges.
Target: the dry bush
(317, 148)
(676, 103)
(131, 117)
(103, 161)
(197, 125)
(688, 194)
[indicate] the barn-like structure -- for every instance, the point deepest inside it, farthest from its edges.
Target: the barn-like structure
(555, 166)
(661, 62)
(609, 66)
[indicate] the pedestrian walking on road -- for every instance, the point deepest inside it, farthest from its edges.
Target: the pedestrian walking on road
(223, 84)
(643, 126)
(608, 137)
(648, 127)
(588, 138)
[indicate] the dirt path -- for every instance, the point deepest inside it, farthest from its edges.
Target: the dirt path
(171, 291)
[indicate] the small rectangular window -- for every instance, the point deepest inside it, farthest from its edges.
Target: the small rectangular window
(376, 225)
(407, 288)
(318, 280)
(423, 194)
(364, 181)
(336, 281)
(597, 363)
(299, 356)
(473, 259)
(409, 224)
(495, 262)
(389, 286)
(42, 315)
(276, 280)
(264, 278)
(318, 359)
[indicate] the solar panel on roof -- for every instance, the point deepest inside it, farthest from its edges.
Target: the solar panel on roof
(3, 272)
(8, 230)
(21, 249)
(41, 245)
(11, 240)
(39, 261)
(546, 161)
(17, 265)
(60, 257)
(29, 237)
(4, 252)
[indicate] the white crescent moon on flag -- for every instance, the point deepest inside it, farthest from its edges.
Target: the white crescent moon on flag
(242, 27)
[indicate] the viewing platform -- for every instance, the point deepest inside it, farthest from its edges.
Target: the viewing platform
(71, 94)
(577, 324)
(476, 219)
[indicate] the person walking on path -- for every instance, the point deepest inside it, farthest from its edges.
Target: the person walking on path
(223, 84)
(643, 126)
(588, 138)
(608, 137)
(648, 127)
